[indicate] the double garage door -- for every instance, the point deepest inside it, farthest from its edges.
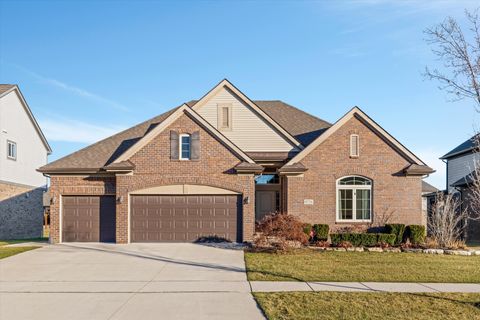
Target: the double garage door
(153, 218)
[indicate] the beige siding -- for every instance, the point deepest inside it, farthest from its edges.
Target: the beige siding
(249, 131)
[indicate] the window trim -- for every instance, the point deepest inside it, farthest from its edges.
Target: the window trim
(180, 153)
(339, 187)
(220, 107)
(10, 142)
(358, 146)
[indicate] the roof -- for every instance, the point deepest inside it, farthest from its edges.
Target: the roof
(428, 188)
(416, 169)
(7, 88)
(465, 147)
(465, 181)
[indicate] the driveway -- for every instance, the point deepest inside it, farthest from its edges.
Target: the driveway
(144, 281)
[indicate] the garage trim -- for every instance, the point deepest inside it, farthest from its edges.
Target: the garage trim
(185, 189)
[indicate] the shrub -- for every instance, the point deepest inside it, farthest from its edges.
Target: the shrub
(369, 239)
(307, 229)
(388, 238)
(416, 233)
(283, 229)
(320, 232)
(398, 230)
(356, 239)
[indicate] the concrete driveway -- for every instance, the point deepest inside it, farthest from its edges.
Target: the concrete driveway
(143, 281)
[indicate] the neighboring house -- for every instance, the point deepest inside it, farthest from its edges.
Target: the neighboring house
(23, 149)
(428, 197)
(461, 163)
(217, 165)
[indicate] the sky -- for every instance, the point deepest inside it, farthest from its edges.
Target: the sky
(89, 69)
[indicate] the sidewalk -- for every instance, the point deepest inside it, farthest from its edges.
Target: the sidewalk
(280, 286)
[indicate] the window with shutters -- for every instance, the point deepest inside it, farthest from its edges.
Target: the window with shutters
(185, 147)
(225, 116)
(354, 146)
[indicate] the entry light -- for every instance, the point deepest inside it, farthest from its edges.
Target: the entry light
(120, 199)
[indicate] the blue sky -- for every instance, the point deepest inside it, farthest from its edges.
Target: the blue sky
(91, 68)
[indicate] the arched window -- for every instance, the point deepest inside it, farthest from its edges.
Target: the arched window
(354, 199)
(184, 145)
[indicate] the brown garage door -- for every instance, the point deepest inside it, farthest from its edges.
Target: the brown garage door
(164, 218)
(88, 219)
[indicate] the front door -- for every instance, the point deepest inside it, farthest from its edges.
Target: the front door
(265, 203)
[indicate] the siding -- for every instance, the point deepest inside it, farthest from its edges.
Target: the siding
(460, 167)
(249, 132)
(15, 125)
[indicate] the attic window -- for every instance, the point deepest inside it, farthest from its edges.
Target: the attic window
(225, 116)
(354, 146)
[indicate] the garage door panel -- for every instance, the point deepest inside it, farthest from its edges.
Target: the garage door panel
(184, 218)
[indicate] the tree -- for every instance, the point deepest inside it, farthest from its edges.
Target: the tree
(460, 54)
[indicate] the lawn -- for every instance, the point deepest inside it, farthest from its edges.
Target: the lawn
(362, 305)
(11, 251)
(309, 265)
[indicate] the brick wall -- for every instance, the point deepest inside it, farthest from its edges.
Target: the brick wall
(21, 211)
(392, 193)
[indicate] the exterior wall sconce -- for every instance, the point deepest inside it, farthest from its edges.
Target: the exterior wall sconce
(53, 200)
(120, 199)
(246, 200)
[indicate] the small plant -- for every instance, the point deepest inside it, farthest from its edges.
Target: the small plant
(320, 232)
(280, 230)
(398, 230)
(430, 243)
(345, 244)
(387, 238)
(416, 234)
(307, 229)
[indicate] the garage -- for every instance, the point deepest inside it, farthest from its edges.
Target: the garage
(184, 218)
(88, 219)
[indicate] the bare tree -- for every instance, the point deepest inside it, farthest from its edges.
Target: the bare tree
(460, 54)
(473, 183)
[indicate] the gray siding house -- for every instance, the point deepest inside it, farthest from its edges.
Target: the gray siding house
(23, 148)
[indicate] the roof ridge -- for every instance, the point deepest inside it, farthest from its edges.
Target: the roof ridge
(298, 109)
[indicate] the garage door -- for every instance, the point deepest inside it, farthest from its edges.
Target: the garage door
(164, 218)
(88, 219)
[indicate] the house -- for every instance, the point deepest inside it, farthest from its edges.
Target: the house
(23, 149)
(461, 163)
(429, 193)
(216, 165)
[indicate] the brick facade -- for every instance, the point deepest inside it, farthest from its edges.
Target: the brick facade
(153, 167)
(21, 211)
(392, 192)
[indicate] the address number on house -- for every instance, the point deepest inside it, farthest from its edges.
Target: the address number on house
(308, 202)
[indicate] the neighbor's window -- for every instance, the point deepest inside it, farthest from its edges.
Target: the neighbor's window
(354, 197)
(354, 145)
(225, 116)
(11, 150)
(267, 179)
(185, 146)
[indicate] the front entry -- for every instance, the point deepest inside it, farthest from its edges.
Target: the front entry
(265, 203)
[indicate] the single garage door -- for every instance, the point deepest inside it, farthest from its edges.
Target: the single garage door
(182, 218)
(88, 219)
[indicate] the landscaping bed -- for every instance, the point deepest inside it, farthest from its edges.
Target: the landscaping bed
(313, 265)
(352, 305)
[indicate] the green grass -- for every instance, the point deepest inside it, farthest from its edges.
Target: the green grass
(360, 305)
(309, 265)
(11, 251)
(15, 241)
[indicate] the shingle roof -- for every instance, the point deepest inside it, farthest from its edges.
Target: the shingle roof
(465, 181)
(303, 126)
(466, 146)
(428, 188)
(5, 87)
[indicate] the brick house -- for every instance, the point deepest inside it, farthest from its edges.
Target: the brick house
(218, 164)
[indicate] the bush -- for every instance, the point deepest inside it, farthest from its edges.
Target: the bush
(416, 233)
(320, 232)
(280, 230)
(388, 238)
(356, 239)
(369, 239)
(307, 229)
(398, 230)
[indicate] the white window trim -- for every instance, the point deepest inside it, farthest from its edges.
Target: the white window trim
(180, 155)
(220, 107)
(351, 145)
(10, 142)
(354, 204)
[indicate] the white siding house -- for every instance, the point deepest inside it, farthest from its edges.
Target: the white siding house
(23, 149)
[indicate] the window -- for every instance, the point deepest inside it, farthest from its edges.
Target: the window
(11, 150)
(354, 199)
(267, 179)
(185, 146)
(225, 116)
(354, 146)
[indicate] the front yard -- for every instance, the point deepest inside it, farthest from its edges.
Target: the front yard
(361, 306)
(10, 251)
(310, 265)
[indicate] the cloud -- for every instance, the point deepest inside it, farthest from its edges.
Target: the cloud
(72, 89)
(431, 158)
(61, 129)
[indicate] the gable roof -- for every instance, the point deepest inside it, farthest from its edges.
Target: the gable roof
(464, 147)
(6, 89)
(428, 188)
(227, 84)
(357, 112)
(184, 109)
